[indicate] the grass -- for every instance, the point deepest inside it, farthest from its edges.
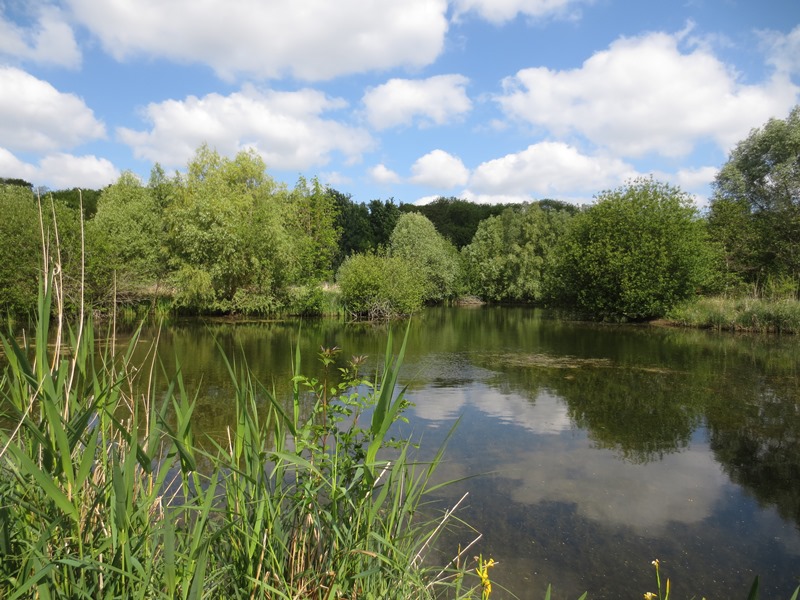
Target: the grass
(781, 315)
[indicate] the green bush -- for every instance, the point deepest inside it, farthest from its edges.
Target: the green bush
(379, 287)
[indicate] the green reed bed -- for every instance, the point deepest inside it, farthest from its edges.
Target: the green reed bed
(106, 495)
(740, 314)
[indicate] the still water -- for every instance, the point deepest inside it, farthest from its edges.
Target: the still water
(588, 450)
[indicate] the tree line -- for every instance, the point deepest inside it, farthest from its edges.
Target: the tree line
(225, 237)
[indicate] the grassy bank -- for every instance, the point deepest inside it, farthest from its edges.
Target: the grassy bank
(739, 314)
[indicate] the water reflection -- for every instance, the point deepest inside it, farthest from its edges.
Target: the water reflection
(599, 447)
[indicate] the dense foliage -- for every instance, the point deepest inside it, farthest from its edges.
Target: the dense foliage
(456, 219)
(224, 237)
(511, 254)
(375, 285)
(755, 211)
(19, 232)
(433, 260)
(105, 494)
(634, 254)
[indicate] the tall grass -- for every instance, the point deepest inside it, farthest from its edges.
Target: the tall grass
(778, 315)
(106, 495)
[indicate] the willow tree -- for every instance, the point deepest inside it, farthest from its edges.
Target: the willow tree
(228, 246)
(433, 259)
(510, 254)
(755, 210)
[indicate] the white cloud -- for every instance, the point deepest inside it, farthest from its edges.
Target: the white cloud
(645, 497)
(334, 178)
(548, 169)
(36, 116)
(439, 169)
(694, 179)
(476, 198)
(783, 50)
(312, 40)
(436, 100)
(13, 168)
(383, 175)
(286, 128)
(60, 170)
(49, 40)
(500, 11)
(643, 95)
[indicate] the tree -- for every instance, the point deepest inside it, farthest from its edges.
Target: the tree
(383, 217)
(510, 254)
(312, 223)
(755, 210)
(634, 254)
(20, 248)
(125, 240)
(352, 220)
(456, 219)
(227, 239)
(433, 260)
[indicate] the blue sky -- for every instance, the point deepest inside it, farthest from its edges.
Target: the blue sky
(487, 100)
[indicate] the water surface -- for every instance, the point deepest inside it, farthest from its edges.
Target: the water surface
(589, 450)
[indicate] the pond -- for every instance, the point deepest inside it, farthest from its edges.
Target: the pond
(588, 450)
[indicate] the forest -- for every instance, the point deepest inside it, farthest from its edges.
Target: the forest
(224, 238)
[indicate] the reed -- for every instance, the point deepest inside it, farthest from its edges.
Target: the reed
(105, 495)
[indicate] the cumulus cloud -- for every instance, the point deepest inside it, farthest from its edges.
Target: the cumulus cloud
(644, 95)
(500, 11)
(439, 169)
(548, 169)
(286, 128)
(13, 168)
(35, 116)
(311, 40)
(436, 100)
(383, 175)
(49, 40)
(67, 171)
(60, 170)
(783, 50)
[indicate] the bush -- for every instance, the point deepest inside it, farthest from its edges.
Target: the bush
(379, 287)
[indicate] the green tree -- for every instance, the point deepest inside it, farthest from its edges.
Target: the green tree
(352, 220)
(511, 254)
(125, 241)
(634, 254)
(20, 249)
(755, 210)
(312, 224)
(383, 217)
(227, 238)
(456, 219)
(433, 260)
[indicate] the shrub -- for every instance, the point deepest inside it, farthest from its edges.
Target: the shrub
(377, 286)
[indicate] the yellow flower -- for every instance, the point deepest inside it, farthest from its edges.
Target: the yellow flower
(649, 596)
(483, 573)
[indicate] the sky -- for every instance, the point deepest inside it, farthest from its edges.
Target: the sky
(486, 100)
